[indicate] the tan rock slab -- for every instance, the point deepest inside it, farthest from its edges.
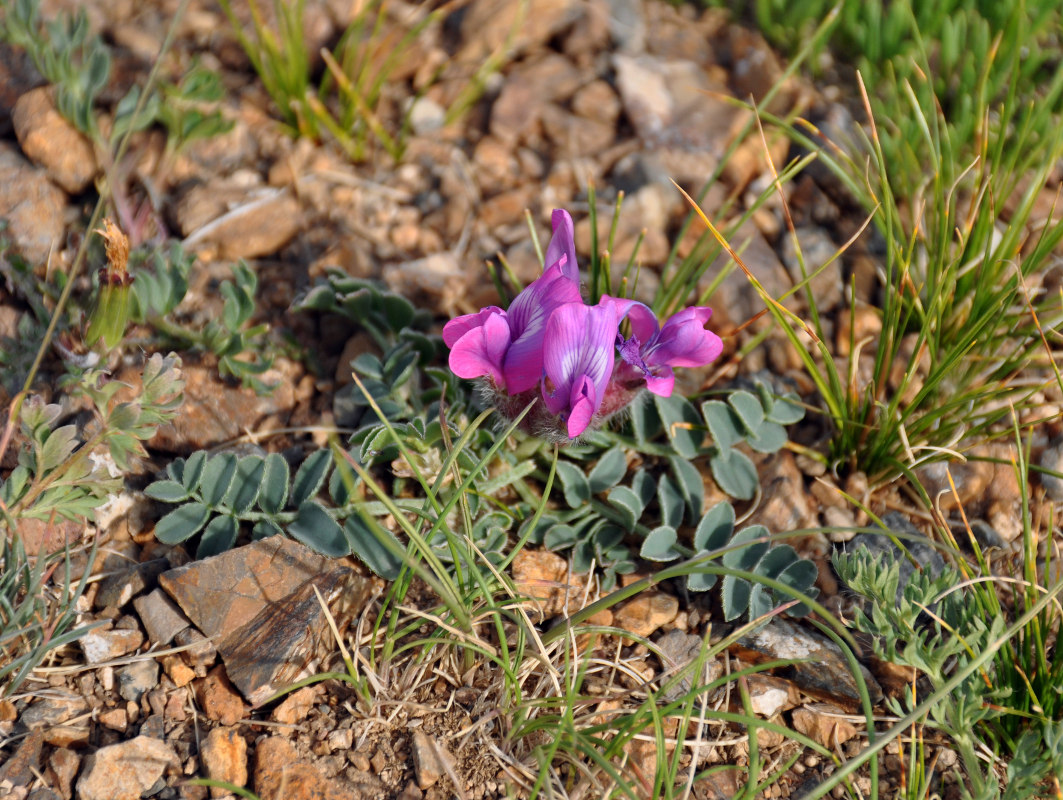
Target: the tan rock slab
(224, 756)
(63, 765)
(100, 646)
(281, 775)
(124, 771)
(824, 724)
(430, 759)
(50, 140)
(218, 699)
(297, 705)
(32, 205)
(645, 613)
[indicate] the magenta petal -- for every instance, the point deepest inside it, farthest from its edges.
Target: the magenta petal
(459, 326)
(481, 350)
(528, 315)
(579, 345)
(661, 385)
(563, 243)
(684, 342)
(583, 403)
(643, 321)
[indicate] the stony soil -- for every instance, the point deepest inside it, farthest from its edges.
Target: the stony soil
(626, 95)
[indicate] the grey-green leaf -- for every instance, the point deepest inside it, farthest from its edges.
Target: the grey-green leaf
(681, 423)
(193, 470)
(628, 504)
(689, 481)
(218, 536)
(244, 490)
(608, 471)
(273, 491)
(715, 528)
(735, 595)
(770, 437)
(574, 484)
(217, 478)
(735, 474)
(760, 601)
(167, 491)
(368, 545)
(748, 408)
(181, 523)
(723, 424)
(786, 410)
(700, 581)
(310, 476)
(747, 556)
(315, 527)
(671, 502)
(658, 545)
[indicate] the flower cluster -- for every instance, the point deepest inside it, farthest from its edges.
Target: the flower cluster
(570, 357)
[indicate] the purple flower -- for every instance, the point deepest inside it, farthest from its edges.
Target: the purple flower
(508, 346)
(578, 355)
(653, 350)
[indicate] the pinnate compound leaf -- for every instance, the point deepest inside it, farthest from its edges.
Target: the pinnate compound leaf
(315, 527)
(735, 474)
(273, 491)
(800, 576)
(218, 536)
(735, 595)
(218, 476)
(265, 528)
(167, 491)
(367, 544)
(723, 423)
(193, 470)
(181, 523)
(776, 560)
(574, 484)
(244, 490)
(608, 471)
(658, 545)
(310, 476)
(715, 529)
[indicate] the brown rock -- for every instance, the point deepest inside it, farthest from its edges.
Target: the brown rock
(53, 710)
(63, 767)
(258, 603)
(100, 646)
(824, 724)
(218, 699)
(543, 577)
(177, 670)
(768, 695)
(17, 76)
(213, 411)
(224, 757)
(76, 736)
(645, 613)
(201, 653)
(47, 536)
(126, 770)
(116, 719)
(280, 775)
(519, 26)
(48, 139)
(785, 505)
(240, 222)
(31, 204)
(429, 757)
(822, 670)
(161, 617)
(297, 705)
(19, 769)
(597, 101)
